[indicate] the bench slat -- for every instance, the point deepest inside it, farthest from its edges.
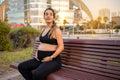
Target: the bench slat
(93, 72)
(102, 50)
(95, 42)
(108, 58)
(93, 46)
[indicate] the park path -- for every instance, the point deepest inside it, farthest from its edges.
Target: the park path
(12, 75)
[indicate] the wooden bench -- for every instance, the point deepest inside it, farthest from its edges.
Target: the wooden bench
(87, 60)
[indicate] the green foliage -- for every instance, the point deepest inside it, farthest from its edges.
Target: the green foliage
(117, 27)
(23, 37)
(116, 30)
(4, 28)
(6, 58)
(5, 42)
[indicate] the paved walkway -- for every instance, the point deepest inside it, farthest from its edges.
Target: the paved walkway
(12, 75)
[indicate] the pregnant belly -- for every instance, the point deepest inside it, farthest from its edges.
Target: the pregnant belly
(47, 47)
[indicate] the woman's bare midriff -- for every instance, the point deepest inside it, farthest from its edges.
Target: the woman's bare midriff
(47, 47)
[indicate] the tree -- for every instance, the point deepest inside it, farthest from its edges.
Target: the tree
(105, 20)
(64, 22)
(92, 25)
(117, 30)
(6, 20)
(112, 24)
(117, 27)
(98, 22)
(84, 26)
(5, 42)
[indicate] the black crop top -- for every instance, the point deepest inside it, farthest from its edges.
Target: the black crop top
(46, 39)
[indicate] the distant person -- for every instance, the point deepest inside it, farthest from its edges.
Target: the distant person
(47, 58)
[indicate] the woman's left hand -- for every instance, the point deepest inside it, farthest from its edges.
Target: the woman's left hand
(47, 59)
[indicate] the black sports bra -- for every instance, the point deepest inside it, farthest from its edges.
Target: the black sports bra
(46, 39)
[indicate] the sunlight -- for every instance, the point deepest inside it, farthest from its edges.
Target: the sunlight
(62, 16)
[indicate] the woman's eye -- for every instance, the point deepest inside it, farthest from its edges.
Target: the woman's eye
(50, 14)
(46, 14)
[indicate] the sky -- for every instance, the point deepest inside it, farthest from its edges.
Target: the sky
(95, 5)
(1, 0)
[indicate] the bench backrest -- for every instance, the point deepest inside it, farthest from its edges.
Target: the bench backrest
(94, 56)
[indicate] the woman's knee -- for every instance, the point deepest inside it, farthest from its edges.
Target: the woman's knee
(21, 66)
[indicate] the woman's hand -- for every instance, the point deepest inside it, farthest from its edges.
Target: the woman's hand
(47, 59)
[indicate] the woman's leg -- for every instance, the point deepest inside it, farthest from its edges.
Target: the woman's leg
(25, 68)
(41, 72)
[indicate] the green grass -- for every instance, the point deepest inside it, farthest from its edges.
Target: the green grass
(6, 58)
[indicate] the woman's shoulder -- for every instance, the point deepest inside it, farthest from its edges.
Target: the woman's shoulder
(58, 30)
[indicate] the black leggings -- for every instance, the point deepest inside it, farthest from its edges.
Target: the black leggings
(40, 69)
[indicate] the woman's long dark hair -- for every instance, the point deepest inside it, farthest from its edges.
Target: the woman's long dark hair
(54, 23)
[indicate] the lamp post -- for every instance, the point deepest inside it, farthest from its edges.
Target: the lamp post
(27, 22)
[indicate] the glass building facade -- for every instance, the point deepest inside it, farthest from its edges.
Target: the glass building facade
(16, 11)
(31, 11)
(34, 10)
(1, 1)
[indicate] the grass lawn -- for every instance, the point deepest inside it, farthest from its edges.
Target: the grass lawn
(6, 58)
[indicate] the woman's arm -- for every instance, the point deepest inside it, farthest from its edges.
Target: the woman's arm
(60, 48)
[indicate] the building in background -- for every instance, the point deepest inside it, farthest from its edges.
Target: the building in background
(104, 13)
(113, 14)
(34, 12)
(117, 13)
(64, 13)
(3, 10)
(116, 19)
(36, 9)
(30, 12)
(1, 1)
(16, 11)
(77, 16)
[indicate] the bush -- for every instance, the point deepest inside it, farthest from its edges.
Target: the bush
(117, 30)
(5, 42)
(117, 27)
(23, 37)
(4, 28)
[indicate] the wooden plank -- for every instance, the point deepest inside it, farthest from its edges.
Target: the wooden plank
(102, 70)
(87, 41)
(111, 63)
(93, 53)
(108, 58)
(92, 71)
(113, 47)
(95, 64)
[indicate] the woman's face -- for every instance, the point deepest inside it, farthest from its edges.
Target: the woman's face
(48, 16)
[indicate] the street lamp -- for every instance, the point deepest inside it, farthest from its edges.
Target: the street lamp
(27, 22)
